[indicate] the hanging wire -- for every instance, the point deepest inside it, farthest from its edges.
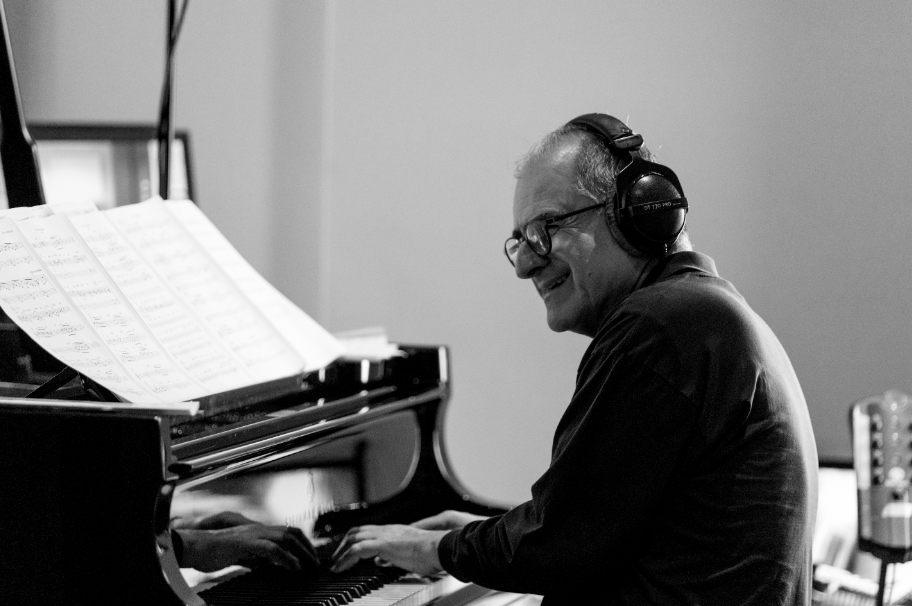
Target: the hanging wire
(892, 582)
(179, 23)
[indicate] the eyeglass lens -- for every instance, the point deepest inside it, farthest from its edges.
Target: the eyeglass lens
(537, 235)
(538, 238)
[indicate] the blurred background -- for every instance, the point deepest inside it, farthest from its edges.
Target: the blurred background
(360, 156)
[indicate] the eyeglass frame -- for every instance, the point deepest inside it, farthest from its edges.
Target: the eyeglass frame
(546, 225)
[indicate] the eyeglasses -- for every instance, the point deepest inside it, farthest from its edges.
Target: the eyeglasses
(537, 235)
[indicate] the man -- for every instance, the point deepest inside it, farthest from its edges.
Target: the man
(684, 468)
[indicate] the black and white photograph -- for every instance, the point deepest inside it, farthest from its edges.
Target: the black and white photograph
(456, 302)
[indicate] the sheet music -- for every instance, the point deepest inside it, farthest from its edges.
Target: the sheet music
(197, 279)
(32, 299)
(87, 285)
(312, 342)
(73, 208)
(199, 352)
(20, 213)
(367, 344)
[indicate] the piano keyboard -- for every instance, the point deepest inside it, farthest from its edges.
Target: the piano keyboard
(364, 585)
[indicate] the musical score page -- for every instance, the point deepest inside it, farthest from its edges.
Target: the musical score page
(199, 351)
(31, 297)
(19, 213)
(85, 282)
(312, 342)
(191, 272)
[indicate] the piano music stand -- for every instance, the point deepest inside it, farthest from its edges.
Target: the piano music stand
(65, 376)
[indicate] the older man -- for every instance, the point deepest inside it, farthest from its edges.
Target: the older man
(684, 468)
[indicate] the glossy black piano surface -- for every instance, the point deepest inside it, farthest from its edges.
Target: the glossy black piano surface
(88, 495)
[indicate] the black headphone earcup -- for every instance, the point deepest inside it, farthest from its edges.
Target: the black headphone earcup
(648, 211)
(614, 227)
(649, 232)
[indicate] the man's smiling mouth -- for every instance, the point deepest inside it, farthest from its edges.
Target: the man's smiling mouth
(546, 289)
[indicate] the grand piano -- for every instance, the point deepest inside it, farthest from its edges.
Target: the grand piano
(91, 487)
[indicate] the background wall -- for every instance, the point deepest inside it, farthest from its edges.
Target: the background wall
(360, 155)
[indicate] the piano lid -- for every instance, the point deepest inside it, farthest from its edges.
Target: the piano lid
(17, 150)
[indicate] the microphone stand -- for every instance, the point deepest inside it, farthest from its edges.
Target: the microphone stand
(166, 110)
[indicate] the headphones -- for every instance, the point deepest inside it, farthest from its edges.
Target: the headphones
(649, 206)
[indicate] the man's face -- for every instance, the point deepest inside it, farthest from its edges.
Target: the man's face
(587, 273)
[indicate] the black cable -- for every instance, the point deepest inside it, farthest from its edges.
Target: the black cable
(881, 584)
(179, 23)
(892, 582)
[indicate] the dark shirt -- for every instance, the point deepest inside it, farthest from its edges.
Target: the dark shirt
(684, 470)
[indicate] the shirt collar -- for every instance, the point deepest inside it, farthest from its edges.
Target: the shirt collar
(678, 263)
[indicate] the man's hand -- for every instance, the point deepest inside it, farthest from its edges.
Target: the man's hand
(447, 520)
(406, 547)
(247, 544)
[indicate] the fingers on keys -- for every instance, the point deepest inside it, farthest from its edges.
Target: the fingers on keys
(284, 546)
(358, 544)
(307, 555)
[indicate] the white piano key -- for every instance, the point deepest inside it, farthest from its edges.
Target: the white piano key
(499, 598)
(415, 592)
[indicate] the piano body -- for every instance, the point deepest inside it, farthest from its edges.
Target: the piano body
(89, 488)
(89, 485)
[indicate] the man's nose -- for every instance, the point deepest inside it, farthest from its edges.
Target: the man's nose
(528, 262)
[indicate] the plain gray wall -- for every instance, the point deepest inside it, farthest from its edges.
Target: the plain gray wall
(360, 155)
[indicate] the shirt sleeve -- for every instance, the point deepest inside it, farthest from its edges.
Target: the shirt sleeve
(614, 458)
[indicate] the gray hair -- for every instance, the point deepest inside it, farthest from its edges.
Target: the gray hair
(596, 171)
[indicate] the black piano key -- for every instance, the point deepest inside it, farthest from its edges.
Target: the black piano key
(259, 599)
(268, 601)
(268, 586)
(353, 589)
(264, 598)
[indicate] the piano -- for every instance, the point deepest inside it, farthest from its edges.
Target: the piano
(90, 486)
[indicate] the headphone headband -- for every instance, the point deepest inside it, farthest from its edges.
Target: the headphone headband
(612, 132)
(649, 206)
